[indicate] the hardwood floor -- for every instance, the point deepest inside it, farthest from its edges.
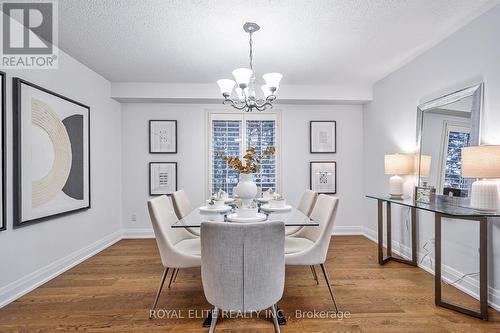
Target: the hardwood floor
(112, 292)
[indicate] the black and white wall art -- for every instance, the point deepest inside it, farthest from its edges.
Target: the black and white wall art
(3, 166)
(162, 178)
(323, 136)
(323, 177)
(51, 154)
(163, 136)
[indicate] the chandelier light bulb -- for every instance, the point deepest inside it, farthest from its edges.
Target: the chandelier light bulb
(265, 89)
(242, 76)
(226, 86)
(239, 93)
(272, 80)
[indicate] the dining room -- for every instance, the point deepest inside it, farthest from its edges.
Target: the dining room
(250, 166)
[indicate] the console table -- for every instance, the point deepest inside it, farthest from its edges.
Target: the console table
(440, 209)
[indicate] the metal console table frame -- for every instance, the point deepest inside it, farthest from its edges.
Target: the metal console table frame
(441, 209)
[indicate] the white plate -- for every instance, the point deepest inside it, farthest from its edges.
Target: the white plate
(208, 209)
(267, 208)
(259, 217)
(228, 200)
(264, 199)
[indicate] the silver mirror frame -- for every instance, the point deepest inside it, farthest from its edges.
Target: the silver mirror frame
(476, 91)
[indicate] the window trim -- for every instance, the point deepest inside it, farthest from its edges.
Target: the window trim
(224, 115)
(448, 126)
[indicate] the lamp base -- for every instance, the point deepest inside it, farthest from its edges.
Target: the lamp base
(484, 196)
(396, 187)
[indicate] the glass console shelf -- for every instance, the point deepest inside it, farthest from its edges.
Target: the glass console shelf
(440, 205)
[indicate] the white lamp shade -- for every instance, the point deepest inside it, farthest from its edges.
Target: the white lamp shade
(425, 165)
(226, 86)
(398, 164)
(242, 76)
(272, 79)
(481, 162)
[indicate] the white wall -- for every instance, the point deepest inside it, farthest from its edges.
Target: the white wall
(32, 254)
(469, 56)
(191, 157)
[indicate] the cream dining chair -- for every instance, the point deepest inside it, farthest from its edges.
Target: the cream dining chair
(178, 248)
(306, 204)
(243, 267)
(309, 246)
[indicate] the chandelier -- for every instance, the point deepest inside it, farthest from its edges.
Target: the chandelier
(246, 99)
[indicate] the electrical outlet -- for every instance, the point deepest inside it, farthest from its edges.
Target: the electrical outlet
(133, 218)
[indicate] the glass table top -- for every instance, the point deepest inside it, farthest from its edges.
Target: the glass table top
(292, 218)
(443, 205)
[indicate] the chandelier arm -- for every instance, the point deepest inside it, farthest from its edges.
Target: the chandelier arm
(234, 104)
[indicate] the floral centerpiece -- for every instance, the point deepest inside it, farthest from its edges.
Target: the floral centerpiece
(252, 160)
(246, 190)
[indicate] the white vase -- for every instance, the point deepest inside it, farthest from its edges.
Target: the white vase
(246, 190)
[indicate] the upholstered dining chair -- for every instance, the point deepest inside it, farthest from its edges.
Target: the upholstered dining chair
(183, 207)
(243, 267)
(306, 204)
(309, 246)
(178, 248)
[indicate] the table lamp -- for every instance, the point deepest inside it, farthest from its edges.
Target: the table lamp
(482, 162)
(425, 165)
(397, 165)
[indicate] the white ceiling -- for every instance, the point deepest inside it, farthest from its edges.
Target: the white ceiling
(316, 42)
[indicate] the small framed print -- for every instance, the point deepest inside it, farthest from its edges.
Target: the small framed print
(162, 178)
(163, 136)
(323, 136)
(323, 177)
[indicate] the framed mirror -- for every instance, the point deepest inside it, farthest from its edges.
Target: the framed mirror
(444, 126)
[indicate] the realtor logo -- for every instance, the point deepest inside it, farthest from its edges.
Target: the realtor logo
(29, 32)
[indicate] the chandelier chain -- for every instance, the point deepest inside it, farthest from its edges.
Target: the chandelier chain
(251, 51)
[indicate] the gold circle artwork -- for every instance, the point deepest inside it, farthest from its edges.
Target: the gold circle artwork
(46, 188)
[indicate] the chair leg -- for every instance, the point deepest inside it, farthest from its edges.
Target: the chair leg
(172, 277)
(275, 319)
(330, 288)
(215, 313)
(315, 276)
(176, 272)
(162, 281)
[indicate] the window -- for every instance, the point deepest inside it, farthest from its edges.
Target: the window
(232, 134)
(456, 137)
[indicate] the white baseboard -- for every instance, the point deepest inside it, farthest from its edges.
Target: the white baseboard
(347, 230)
(24, 285)
(138, 233)
(468, 285)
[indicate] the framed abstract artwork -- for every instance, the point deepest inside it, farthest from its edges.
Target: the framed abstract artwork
(163, 136)
(162, 178)
(323, 136)
(323, 177)
(51, 146)
(3, 166)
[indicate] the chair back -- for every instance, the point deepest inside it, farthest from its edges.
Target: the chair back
(162, 217)
(243, 266)
(307, 202)
(182, 205)
(323, 213)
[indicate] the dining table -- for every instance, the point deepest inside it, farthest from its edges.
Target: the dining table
(292, 217)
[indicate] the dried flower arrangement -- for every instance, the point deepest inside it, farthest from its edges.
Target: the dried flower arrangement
(251, 158)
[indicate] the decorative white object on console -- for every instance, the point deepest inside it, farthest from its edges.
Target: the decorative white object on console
(397, 165)
(482, 162)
